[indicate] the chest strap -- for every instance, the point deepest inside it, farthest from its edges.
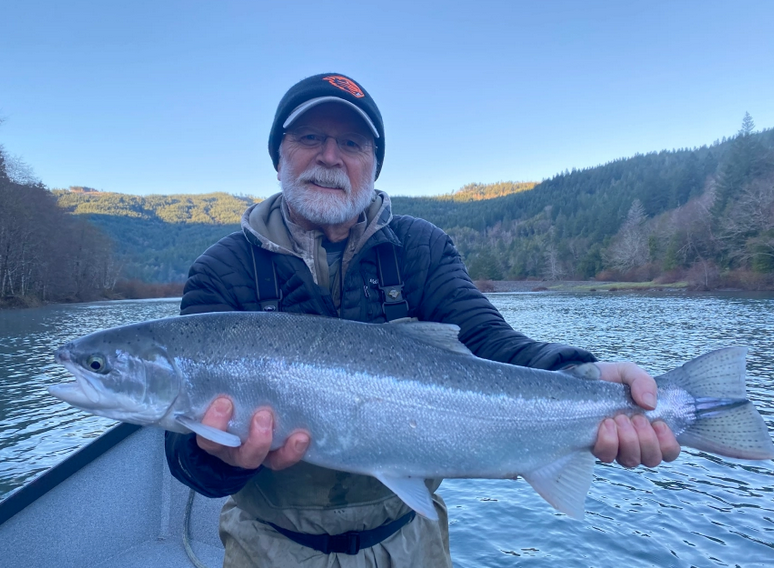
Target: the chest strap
(266, 288)
(348, 542)
(394, 304)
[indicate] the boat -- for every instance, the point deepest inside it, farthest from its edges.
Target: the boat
(113, 503)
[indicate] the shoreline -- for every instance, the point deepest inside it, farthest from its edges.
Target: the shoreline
(584, 286)
(485, 286)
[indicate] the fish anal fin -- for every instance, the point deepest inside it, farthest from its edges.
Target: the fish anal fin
(565, 482)
(413, 492)
(212, 434)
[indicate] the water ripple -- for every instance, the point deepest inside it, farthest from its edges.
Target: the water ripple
(701, 510)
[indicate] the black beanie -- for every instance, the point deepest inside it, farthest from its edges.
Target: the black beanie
(326, 85)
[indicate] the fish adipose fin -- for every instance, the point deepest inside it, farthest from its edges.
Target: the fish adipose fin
(212, 434)
(565, 482)
(442, 335)
(726, 422)
(413, 492)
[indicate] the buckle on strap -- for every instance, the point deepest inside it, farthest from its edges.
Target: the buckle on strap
(270, 305)
(394, 305)
(348, 543)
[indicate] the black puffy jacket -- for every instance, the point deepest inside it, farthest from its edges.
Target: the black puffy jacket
(436, 285)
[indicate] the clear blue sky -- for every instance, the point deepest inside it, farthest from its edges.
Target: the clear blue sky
(178, 97)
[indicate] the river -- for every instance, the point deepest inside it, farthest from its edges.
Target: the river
(700, 510)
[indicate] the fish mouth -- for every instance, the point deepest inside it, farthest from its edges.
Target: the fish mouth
(82, 392)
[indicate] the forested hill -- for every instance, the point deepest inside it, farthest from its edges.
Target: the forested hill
(706, 210)
(157, 237)
(209, 208)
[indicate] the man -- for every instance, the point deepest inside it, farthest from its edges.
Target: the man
(323, 246)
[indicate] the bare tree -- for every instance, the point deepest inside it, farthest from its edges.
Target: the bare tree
(553, 268)
(747, 230)
(20, 172)
(629, 248)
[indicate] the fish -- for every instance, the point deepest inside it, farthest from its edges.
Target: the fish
(401, 402)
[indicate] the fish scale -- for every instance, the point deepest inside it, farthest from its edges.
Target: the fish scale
(401, 402)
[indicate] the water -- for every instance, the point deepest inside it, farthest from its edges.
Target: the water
(700, 510)
(36, 430)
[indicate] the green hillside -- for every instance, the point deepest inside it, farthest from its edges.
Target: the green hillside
(208, 208)
(707, 210)
(157, 237)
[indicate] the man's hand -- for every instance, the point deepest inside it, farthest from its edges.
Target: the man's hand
(255, 450)
(636, 441)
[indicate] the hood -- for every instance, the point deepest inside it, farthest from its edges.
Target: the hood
(267, 224)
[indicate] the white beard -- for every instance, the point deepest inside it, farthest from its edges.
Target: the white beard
(325, 208)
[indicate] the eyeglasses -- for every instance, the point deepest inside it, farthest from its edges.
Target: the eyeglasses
(350, 143)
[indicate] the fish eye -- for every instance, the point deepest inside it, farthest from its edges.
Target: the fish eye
(97, 364)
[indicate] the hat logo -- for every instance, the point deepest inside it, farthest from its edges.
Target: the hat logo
(345, 84)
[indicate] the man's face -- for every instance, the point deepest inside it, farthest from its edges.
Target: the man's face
(325, 184)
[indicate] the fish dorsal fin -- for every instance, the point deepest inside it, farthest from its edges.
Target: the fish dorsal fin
(212, 434)
(565, 482)
(442, 335)
(585, 371)
(413, 492)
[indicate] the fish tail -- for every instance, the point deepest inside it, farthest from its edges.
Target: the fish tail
(726, 422)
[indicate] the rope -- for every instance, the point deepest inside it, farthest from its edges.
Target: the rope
(186, 532)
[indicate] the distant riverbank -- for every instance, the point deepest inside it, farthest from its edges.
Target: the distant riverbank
(579, 286)
(491, 286)
(733, 282)
(123, 290)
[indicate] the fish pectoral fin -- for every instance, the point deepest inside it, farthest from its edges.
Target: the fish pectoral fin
(565, 482)
(413, 492)
(212, 434)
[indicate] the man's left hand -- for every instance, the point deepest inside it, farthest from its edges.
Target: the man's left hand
(634, 441)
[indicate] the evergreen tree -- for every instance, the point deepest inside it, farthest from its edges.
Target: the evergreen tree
(746, 160)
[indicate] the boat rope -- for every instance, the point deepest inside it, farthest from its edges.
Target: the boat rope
(186, 532)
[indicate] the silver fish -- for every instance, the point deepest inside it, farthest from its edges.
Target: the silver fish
(401, 402)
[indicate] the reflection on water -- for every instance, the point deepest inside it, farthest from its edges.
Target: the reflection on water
(701, 510)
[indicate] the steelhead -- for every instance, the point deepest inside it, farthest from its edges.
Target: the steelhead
(401, 402)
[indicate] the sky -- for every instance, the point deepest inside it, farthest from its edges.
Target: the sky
(163, 97)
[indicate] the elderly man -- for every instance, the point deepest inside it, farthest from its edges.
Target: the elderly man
(329, 245)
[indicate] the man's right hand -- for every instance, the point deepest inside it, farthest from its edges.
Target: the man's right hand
(255, 450)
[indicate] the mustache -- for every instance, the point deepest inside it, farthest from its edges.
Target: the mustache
(328, 177)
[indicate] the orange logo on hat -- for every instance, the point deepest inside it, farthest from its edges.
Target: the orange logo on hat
(345, 85)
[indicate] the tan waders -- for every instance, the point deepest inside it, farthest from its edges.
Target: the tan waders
(316, 501)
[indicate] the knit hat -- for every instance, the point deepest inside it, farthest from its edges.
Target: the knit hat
(327, 87)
